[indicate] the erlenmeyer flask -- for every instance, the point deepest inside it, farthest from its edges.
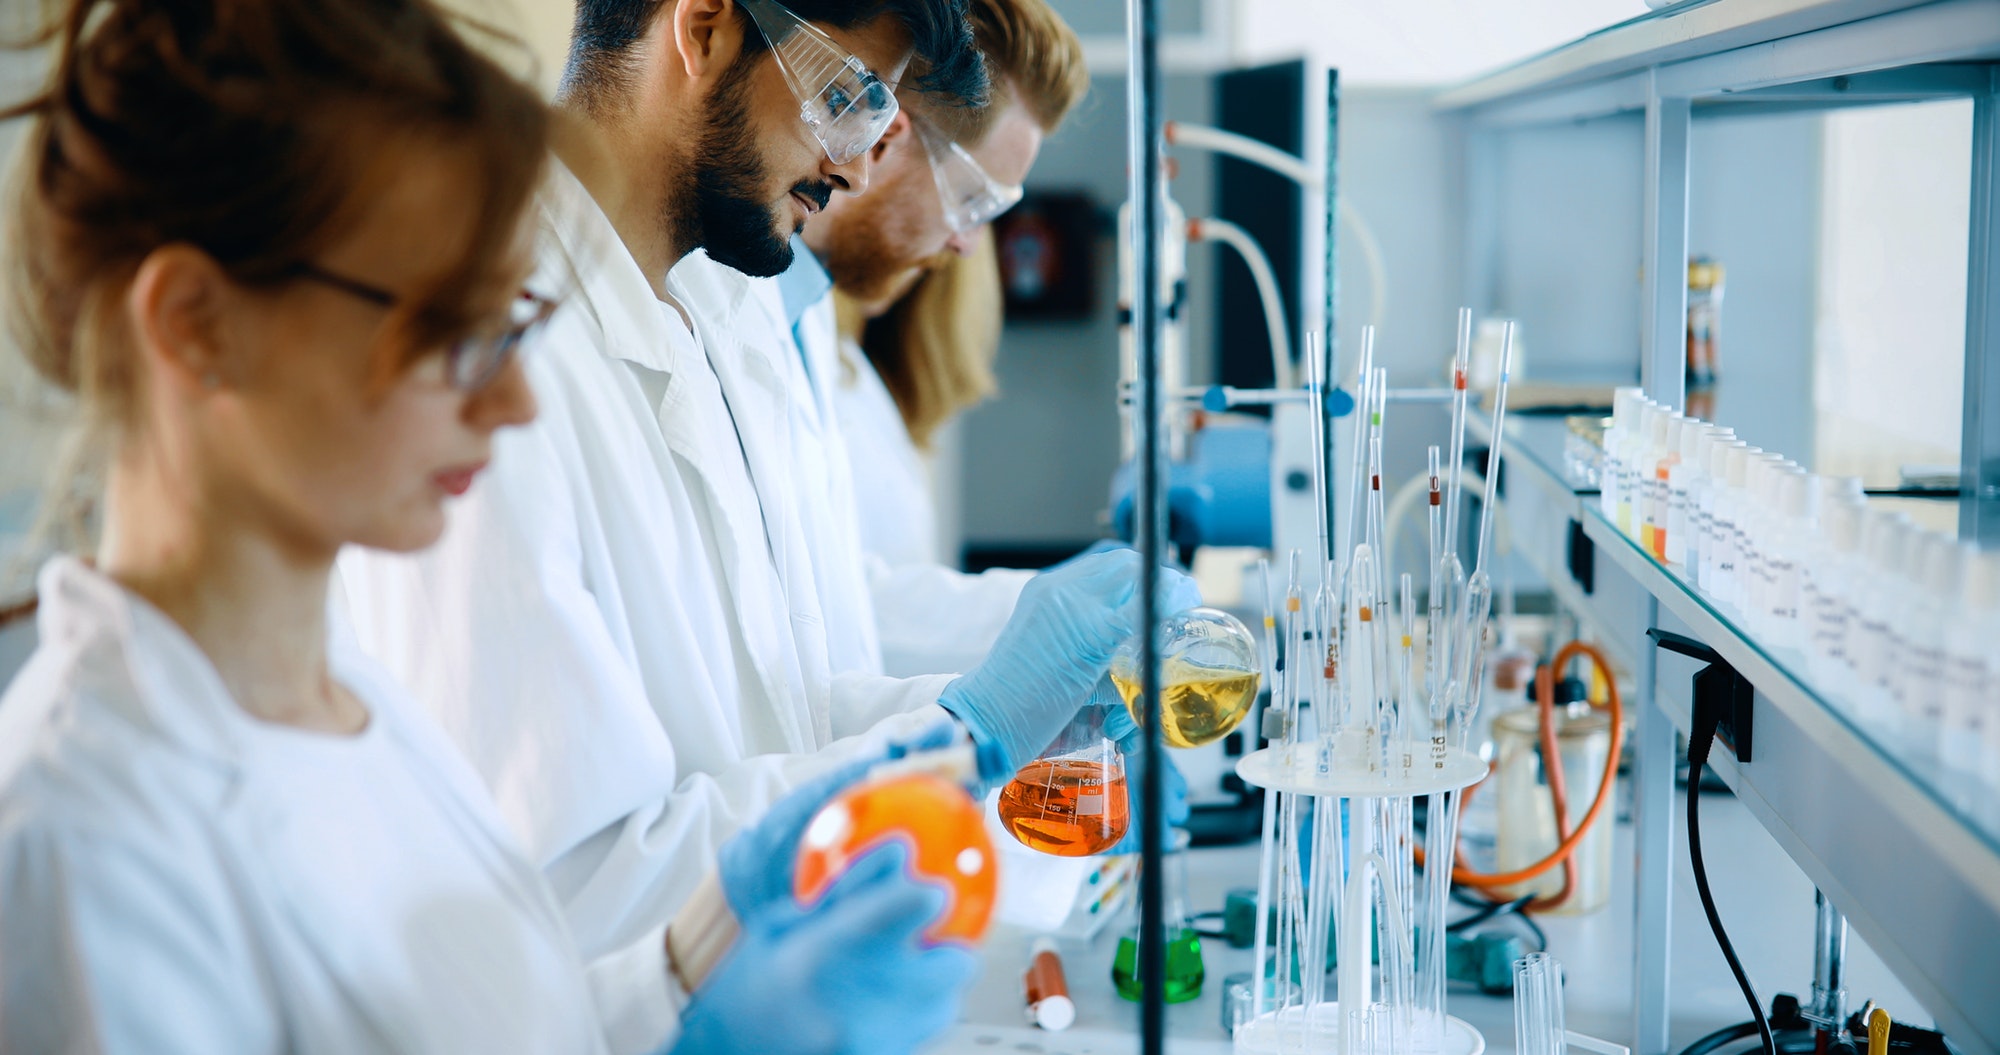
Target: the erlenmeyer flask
(1071, 801)
(1208, 675)
(1184, 970)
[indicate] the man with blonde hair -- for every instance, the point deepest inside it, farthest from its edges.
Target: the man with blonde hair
(941, 175)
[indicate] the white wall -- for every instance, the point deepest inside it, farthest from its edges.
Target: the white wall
(1417, 41)
(1891, 328)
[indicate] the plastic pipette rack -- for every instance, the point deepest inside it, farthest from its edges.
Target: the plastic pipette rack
(1350, 942)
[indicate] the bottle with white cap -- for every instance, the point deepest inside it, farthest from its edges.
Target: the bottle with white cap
(1625, 404)
(1753, 535)
(1828, 588)
(1681, 475)
(1729, 507)
(1665, 455)
(1642, 476)
(1975, 627)
(1717, 438)
(1871, 637)
(1631, 490)
(1926, 621)
(1790, 544)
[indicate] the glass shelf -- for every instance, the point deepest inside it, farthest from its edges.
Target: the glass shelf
(1974, 805)
(1549, 447)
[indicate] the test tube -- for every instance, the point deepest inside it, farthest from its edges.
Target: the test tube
(1538, 1005)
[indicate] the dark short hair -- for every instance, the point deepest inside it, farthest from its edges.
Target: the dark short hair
(944, 59)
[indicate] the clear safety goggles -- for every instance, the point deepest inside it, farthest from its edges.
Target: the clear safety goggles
(970, 197)
(840, 99)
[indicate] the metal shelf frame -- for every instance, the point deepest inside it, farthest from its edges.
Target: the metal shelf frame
(1916, 882)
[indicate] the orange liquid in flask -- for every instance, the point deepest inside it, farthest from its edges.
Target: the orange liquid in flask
(943, 827)
(1068, 807)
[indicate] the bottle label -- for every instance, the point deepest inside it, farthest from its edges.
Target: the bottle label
(1965, 679)
(1923, 682)
(1867, 648)
(1783, 589)
(1829, 623)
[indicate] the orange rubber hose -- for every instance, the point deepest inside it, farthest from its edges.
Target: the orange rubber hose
(1565, 850)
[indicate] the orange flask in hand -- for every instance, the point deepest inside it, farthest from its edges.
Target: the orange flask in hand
(935, 818)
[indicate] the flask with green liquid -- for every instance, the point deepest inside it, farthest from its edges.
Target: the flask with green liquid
(1184, 971)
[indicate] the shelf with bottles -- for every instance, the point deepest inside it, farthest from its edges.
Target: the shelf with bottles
(1889, 625)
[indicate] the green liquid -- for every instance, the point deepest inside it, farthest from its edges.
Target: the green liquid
(1184, 971)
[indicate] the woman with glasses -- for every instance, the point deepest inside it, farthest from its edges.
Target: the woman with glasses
(276, 250)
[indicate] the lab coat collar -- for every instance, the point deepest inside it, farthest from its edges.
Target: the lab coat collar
(804, 284)
(587, 258)
(137, 662)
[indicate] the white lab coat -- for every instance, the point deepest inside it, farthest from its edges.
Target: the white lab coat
(179, 877)
(930, 617)
(623, 639)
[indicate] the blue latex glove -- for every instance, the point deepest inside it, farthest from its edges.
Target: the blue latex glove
(1052, 653)
(1119, 726)
(757, 865)
(846, 976)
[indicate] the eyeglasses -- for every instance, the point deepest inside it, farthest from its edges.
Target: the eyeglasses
(470, 363)
(970, 197)
(840, 99)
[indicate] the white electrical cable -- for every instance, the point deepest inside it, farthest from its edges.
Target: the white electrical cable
(1237, 238)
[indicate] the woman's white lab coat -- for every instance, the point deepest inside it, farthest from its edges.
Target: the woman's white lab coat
(619, 631)
(176, 876)
(930, 617)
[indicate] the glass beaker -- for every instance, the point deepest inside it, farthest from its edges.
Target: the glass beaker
(1070, 801)
(1184, 971)
(1209, 672)
(1527, 815)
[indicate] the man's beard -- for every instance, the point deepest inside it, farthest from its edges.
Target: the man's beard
(864, 263)
(729, 217)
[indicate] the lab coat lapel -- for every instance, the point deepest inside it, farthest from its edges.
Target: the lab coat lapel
(635, 329)
(754, 431)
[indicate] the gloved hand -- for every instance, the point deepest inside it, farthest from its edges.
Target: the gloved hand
(846, 976)
(757, 865)
(1119, 726)
(1052, 652)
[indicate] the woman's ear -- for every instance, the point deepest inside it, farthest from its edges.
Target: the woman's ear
(174, 305)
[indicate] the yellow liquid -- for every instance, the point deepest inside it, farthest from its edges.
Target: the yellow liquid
(1201, 703)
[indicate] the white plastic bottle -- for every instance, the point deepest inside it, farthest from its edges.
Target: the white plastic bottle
(1666, 440)
(1701, 508)
(1753, 531)
(1920, 684)
(1681, 475)
(1969, 663)
(1727, 545)
(1632, 489)
(1828, 591)
(1878, 595)
(1625, 403)
(1790, 544)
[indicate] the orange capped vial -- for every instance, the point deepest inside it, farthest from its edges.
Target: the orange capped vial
(940, 823)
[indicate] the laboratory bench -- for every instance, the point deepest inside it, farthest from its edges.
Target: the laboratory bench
(1767, 902)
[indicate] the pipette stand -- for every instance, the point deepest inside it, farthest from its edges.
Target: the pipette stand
(1345, 792)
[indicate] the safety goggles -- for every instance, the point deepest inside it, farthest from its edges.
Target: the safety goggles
(471, 362)
(840, 99)
(970, 197)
